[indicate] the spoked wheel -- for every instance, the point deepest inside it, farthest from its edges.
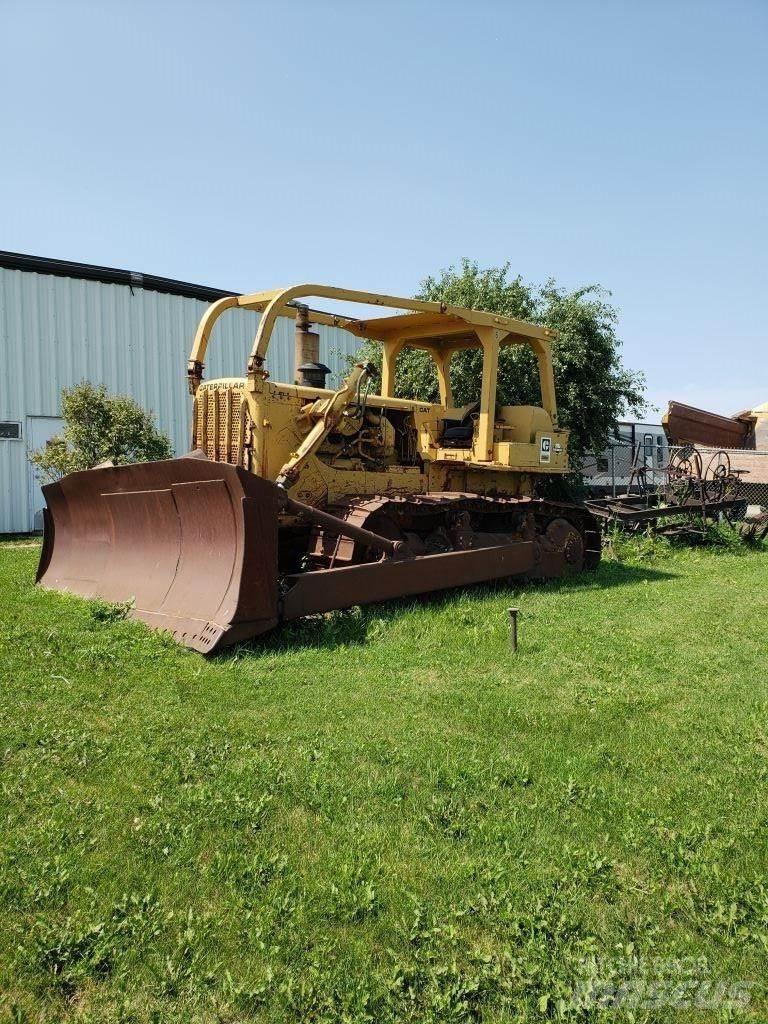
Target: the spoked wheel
(717, 476)
(683, 476)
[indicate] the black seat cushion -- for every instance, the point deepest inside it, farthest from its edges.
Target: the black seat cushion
(457, 437)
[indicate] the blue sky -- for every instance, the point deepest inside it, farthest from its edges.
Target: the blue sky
(368, 144)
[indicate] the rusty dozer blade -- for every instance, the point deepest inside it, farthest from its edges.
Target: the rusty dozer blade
(192, 543)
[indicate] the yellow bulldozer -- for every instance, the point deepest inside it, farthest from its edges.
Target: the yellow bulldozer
(296, 499)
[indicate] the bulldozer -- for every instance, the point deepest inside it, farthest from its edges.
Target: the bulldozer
(297, 499)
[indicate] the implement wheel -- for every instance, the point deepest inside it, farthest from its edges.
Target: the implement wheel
(717, 477)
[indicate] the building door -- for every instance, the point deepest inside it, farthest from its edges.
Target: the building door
(40, 429)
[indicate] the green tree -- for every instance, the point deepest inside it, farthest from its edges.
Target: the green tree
(593, 388)
(100, 427)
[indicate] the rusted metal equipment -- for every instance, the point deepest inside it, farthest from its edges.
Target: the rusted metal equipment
(692, 490)
(297, 500)
(684, 424)
(192, 542)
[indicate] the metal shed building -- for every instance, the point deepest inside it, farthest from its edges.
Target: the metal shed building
(63, 322)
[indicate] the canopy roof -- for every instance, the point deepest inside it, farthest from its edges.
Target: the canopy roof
(449, 327)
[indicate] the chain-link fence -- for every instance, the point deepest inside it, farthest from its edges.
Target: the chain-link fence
(622, 465)
(649, 467)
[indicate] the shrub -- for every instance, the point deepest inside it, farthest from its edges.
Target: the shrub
(100, 427)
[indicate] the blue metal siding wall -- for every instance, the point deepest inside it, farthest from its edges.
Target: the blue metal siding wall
(57, 331)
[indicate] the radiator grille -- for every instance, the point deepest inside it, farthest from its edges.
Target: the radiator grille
(218, 426)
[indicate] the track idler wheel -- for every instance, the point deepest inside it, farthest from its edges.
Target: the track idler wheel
(564, 538)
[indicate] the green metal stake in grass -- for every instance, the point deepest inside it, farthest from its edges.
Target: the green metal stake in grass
(513, 628)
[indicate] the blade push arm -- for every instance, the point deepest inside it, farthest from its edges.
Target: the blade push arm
(329, 412)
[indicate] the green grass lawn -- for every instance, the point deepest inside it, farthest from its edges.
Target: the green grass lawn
(385, 815)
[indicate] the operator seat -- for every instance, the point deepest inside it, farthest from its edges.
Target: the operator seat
(457, 430)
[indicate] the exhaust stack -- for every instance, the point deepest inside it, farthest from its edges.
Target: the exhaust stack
(307, 343)
(308, 370)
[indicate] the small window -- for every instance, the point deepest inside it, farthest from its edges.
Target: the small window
(10, 430)
(602, 464)
(659, 450)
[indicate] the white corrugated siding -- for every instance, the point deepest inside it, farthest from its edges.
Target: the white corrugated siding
(57, 331)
